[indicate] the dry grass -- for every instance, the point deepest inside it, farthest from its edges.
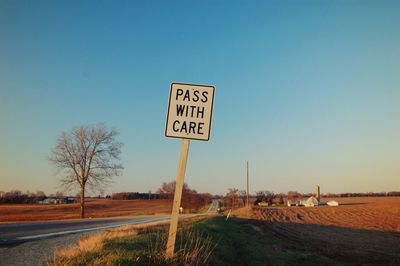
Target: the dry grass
(197, 248)
(95, 208)
(243, 212)
(192, 247)
(96, 242)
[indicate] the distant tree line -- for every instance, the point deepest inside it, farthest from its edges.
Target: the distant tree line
(368, 194)
(270, 197)
(237, 198)
(191, 200)
(134, 196)
(18, 197)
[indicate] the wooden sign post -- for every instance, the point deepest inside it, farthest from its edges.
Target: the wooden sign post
(180, 178)
(189, 117)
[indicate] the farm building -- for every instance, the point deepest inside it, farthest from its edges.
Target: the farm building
(310, 202)
(58, 200)
(292, 203)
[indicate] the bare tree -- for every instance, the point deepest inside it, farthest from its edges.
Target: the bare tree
(243, 195)
(231, 196)
(281, 197)
(265, 196)
(294, 195)
(39, 196)
(87, 156)
(269, 197)
(167, 190)
(191, 200)
(59, 195)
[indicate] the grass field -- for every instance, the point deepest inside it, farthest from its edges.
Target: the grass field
(210, 241)
(94, 208)
(361, 231)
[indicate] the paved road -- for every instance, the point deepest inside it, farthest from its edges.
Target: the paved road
(213, 207)
(33, 243)
(13, 233)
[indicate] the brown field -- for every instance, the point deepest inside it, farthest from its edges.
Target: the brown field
(94, 208)
(360, 230)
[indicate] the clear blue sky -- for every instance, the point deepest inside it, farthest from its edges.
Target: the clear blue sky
(307, 91)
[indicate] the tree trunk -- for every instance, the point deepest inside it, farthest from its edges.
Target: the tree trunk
(82, 202)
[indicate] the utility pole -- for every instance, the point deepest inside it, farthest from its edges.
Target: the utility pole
(247, 184)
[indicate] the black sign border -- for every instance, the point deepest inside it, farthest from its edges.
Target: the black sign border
(169, 104)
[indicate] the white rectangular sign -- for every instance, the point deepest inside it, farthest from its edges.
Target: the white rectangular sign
(190, 111)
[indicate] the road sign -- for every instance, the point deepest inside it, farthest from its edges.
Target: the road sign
(190, 111)
(189, 117)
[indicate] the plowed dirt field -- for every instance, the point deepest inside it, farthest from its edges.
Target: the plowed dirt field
(360, 230)
(95, 208)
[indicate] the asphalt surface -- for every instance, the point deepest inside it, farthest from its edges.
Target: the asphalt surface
(14, 233)
(33, 243)
(213, 207)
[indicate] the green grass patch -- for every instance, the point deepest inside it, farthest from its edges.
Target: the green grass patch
(241, 242)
